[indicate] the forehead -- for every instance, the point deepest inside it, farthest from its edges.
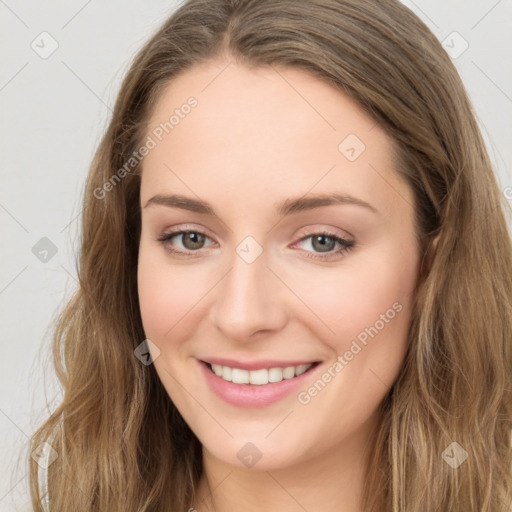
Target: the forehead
(266, 132)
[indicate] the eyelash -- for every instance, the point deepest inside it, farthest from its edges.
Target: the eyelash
(346, 245)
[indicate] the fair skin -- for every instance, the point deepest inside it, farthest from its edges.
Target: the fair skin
(258, 137)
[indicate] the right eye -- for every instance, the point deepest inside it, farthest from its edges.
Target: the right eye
(191, 241)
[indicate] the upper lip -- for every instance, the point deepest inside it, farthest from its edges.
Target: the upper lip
(255, 365)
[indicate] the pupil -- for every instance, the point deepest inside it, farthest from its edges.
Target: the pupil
(195, 240)
(324, 247)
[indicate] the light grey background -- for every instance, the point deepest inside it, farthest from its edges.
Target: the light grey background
(54, 111)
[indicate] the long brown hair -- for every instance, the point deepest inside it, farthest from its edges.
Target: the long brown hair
(121, 443)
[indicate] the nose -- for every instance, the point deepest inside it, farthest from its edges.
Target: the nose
(248, 300)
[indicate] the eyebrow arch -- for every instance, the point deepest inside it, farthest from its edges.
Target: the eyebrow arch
(284, 208)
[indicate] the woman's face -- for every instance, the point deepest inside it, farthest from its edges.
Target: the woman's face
(300, 255)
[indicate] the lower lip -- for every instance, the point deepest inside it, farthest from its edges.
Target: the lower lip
(251, 395)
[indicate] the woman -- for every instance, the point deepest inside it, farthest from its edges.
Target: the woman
(295, 277)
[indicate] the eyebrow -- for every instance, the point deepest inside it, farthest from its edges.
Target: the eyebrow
(283, 208)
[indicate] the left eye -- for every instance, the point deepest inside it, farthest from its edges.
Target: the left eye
(324, 243)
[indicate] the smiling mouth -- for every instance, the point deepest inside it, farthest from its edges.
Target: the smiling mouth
(259, 377)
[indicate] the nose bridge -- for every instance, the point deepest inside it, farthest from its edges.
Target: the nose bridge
(248, 299)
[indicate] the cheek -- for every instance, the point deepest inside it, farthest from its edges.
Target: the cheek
(368, 307)
(366, 298)
(169, 295)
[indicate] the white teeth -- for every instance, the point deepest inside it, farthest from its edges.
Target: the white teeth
(275, 375)
(239, 376)
(259, 377)
(289, 372)
(301, 369)
(226, 373)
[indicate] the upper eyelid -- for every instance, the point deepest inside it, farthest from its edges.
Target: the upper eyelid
(186, 228)
(303, 232)
(183, 231)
